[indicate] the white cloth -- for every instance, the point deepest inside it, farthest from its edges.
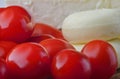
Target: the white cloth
(2, 4)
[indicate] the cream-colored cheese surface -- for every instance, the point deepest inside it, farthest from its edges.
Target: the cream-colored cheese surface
(53, 12)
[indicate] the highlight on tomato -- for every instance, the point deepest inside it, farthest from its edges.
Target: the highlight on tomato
(70, 64)
(28, 61)
(102, 57)
(15, 25)
(53, 46)
(6, 47)
(41, 28)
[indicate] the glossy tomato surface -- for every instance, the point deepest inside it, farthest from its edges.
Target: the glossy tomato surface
(70, 64)
(102, 57)
(53, 46)
(2, 9)
(28, 61)
(40, 38)
(20, 10)
(3, 69)
(5, 47)
(41, 28)
(14, 26)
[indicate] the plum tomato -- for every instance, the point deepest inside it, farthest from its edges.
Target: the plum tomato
(40, 38)
(53, 46)
(14, 26)
(28, 61)
(20, 10)
(41, 28)
(5, 47)
(102, 57)
(3, 69)
(70, 64)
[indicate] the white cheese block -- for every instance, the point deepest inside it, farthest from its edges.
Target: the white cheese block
(84, 26)
(53, 12)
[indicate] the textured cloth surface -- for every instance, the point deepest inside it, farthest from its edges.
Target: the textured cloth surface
(2, 4)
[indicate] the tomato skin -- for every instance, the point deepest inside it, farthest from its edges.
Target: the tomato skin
(20, 10)
(13, 26)
(3, 69)
(2, 9)
(5, 47)
(53, 46)
(102, 57)
(28, 61)
(40, 38)
(70, 64)
(41, 28)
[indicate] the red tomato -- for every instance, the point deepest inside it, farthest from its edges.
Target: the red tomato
(70, 64)
(41, 28)
(39, 38)
(53, 46)
(5, 47)
(3, 69)
(13, 26)
(28, 61)
(102, 57)
(20, 10)
(2, 9)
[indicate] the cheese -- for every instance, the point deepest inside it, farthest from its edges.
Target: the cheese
(84, 26)
(53, 12)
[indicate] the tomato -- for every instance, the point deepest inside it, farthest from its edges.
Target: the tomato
(20, 10)
(14, 26)
(3, 69)
(70, 64)
(40, 38)
(28, 61)
(2, 9)
(5, 47)
(41, 28)
(53, 46)
(102, 57)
